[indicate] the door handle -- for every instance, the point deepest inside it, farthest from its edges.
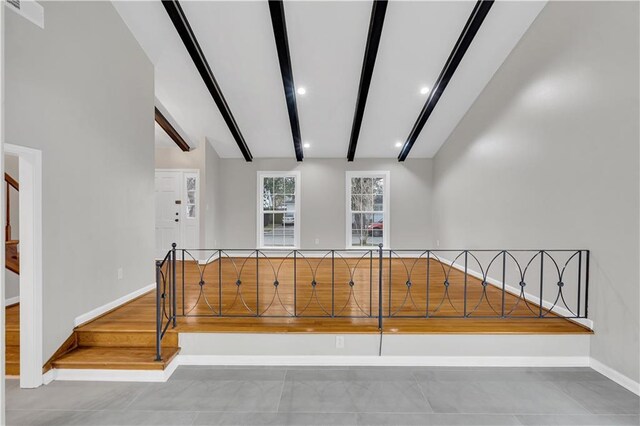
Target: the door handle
(176, 220)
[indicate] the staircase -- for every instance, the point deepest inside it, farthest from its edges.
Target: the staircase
(122, 339)
(117, 350)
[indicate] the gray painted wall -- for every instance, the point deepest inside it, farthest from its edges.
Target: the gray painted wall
(81, 90)
(323, 200)
(211, 205)
(547, 157)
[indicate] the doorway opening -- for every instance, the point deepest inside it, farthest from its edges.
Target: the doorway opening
(23, 246)
(12, 266)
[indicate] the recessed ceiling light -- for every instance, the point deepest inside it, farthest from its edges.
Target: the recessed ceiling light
(398, 144)
(301, 90)
(424, 90)
(307, 145)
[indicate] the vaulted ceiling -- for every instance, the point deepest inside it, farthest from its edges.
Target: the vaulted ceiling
(328, 44)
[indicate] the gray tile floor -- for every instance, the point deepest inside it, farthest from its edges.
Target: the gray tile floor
(334, 396)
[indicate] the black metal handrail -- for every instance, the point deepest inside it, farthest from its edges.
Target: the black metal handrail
(431, 283)
(166, 299)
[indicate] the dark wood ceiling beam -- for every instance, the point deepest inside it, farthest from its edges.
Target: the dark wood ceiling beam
(378, 11)
(180, 22)
(480, 11)
(279, 23)
(171, 131)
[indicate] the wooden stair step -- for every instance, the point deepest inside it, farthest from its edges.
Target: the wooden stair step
(12, 360)
(12, 353)
(12, 338)
(113, 358)
(12, 368)
(114, 338)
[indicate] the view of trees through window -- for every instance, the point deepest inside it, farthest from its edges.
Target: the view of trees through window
(367, 211)
(278, 211)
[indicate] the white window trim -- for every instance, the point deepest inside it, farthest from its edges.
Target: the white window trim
(296, 230)
(386, 210)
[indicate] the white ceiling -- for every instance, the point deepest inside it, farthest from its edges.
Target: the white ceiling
(327, 42)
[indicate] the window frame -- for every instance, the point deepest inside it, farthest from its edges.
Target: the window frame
(260, 198)
(386, 206)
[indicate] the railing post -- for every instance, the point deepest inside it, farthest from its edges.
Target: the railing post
(380, 254)
(333, 284)
(158, 312)
(504, 278)
(295, 282)
(390, 281)
(257, 283)
(220, 282)
(579, 279)
(541, 281)
(586, 285)
(183, 302)
(466, 255)
(426, 313)
(370, 283)
(174, 300)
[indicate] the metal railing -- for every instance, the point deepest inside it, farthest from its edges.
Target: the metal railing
(165, 297)
(373, 283)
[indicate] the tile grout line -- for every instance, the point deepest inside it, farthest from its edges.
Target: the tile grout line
(554, 384)
(195, 418)
(426, 400)
(140, 391)
(284, 379)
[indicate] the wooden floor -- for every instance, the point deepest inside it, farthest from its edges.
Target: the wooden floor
(12, 340)
(125, 336)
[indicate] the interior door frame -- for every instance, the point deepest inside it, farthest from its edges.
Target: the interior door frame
(30, 210)
(183, 196)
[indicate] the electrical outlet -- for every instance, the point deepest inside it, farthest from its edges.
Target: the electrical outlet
(339, 342)
(437, 243)
(120, 273)
(317, 241)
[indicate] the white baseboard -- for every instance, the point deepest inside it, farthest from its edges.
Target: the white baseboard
(616, 376)
(48, 377)
(86, 317)
(12, 301)
(336, 361)
(326, 361)
(385, 361)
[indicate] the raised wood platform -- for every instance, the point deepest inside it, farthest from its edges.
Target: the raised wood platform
(125, 337)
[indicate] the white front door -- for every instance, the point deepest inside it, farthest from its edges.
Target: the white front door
(177, 210)
(168, 209)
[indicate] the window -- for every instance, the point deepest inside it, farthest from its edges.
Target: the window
(191, 191)
(367, 209)
(278, 209)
